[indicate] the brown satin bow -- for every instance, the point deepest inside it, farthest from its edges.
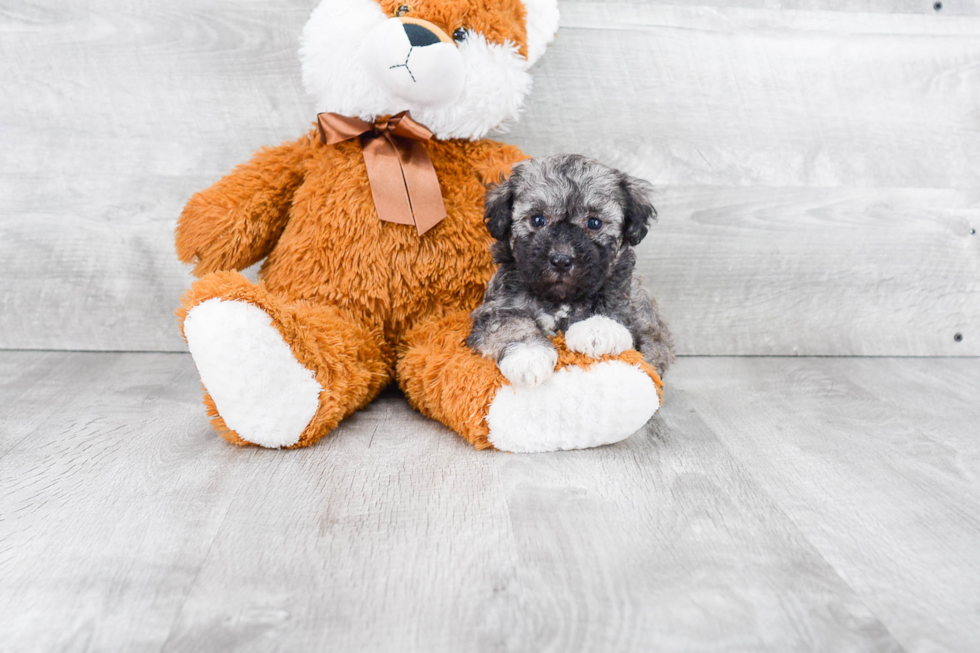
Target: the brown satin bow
(403, 180)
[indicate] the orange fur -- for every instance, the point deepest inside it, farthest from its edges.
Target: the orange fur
(236, 222)
(447, 381)
(333, 249)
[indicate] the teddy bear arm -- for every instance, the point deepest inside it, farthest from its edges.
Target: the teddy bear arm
(237, 221)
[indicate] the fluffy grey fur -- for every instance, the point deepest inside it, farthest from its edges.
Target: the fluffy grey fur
(557, 267)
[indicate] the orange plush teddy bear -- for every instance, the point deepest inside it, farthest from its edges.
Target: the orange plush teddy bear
(371, 227)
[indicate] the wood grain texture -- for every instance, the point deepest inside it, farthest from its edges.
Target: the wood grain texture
(774, 504)
(816, 271)
(114, 114)
(816, 160)
(657, 544)
(692, 95)
(918, 7)
(879, 467)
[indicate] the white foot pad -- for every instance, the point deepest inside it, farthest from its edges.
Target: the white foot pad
(574, 409)
(261, 391)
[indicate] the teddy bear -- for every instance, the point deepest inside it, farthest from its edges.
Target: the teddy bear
(371, 227)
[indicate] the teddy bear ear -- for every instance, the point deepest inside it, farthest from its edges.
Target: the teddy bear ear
(542, 24)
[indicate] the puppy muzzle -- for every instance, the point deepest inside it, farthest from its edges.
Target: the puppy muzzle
(415, 61)
(561, 254)
(559, 264)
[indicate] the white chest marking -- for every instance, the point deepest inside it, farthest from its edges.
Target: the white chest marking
(549, 322)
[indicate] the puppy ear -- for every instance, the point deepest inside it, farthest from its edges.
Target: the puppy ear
(498, 208)
(638, 211)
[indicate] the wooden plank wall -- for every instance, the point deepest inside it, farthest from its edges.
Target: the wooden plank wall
(816, 160)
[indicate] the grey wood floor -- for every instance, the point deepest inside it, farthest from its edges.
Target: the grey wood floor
(777, 504)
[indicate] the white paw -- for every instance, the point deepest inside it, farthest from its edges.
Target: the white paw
(528, 364)
(575, 409)
(597, 336)
(259, 388)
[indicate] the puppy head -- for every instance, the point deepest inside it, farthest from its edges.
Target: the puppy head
(564, 222)
(460, 67)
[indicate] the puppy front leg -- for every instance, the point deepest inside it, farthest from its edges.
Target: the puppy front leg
(528, 363)
(511, 337)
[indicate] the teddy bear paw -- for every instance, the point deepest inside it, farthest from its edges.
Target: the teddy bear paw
(575, 408)
(597, 336)
(259, 388)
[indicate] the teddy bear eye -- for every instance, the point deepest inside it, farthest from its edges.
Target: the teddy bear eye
(404, 9)
(595, 224)
(460, 34)
(538, 221)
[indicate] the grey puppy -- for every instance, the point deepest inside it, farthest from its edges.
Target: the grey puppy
(565, 227)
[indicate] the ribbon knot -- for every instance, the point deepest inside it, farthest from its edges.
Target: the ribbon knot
(403, 180)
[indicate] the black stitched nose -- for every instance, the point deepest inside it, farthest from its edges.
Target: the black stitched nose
(418, 36)
(561, 262)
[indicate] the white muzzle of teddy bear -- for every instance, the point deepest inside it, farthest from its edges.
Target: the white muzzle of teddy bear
(414, 61)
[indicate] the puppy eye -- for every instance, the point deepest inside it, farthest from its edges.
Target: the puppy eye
(538, 221)
(595, 224)
(404, 9)
(460, 35)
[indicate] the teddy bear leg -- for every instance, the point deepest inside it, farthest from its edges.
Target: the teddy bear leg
(586, 402)
(276, 373)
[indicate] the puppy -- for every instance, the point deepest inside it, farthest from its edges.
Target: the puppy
(565, 227)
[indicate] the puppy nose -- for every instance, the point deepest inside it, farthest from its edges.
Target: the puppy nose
(561, 262)
(419, 36)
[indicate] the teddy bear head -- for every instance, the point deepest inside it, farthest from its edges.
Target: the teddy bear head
(461, 67)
